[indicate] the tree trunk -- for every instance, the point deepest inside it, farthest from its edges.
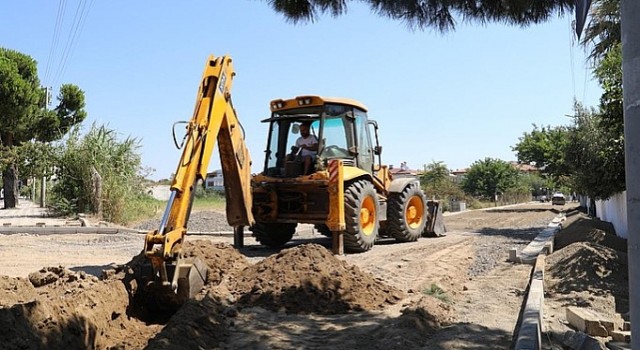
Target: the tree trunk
(96, 189)
(10, 186)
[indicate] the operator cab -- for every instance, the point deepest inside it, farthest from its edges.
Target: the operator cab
(340, 127)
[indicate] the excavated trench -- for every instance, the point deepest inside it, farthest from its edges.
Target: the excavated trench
(58, 308)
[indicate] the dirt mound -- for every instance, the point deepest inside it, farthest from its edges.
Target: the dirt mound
(309, 279)
(68, 310)
(426, 316)
(58, 308)
(15, 291)
(578, 227)
(221, 259)
(586, 266)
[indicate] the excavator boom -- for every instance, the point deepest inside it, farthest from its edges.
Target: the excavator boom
(214, 120)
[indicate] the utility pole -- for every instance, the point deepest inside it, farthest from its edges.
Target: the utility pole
(43, 187)
(629, 14)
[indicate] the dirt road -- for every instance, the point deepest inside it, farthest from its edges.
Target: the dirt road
(451, 292)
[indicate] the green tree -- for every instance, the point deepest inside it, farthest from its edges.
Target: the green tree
(595, 156)
(437, 184)
(23, 114)
(435, 173)
(544, 147)
(608, 71)
(536, 184)
(489, 177)
(595, 152)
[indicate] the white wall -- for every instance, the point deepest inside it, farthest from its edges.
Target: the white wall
(614, 210)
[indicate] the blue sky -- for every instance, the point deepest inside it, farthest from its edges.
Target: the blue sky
(456, 97)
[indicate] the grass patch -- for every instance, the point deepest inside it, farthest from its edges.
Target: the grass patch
(144, 208)
(210, 201)
(437, 292)
(141, 208)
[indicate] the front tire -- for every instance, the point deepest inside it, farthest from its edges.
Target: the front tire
(361, 216)
(273, 235)
(406, 214)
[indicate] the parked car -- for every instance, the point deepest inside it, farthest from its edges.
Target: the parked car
(558, 199)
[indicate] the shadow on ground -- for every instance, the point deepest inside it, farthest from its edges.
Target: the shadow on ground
(208, 324)
(95, 270)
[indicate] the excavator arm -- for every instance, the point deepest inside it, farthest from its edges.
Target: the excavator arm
(214, 120)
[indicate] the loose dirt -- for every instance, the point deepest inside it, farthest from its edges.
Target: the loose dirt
(452, 292)
(310, 279)
(68, 310)
(588, 269)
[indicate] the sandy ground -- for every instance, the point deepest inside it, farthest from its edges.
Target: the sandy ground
(451, 292)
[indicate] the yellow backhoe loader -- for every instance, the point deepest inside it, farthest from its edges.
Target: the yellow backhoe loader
(322, 166)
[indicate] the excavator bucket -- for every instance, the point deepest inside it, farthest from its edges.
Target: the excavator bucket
(190, 277)
(186, 276)
(435, 223)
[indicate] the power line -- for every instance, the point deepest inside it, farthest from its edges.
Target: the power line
(70, 37)
(79, 19)
(56, 37)
(572, 58)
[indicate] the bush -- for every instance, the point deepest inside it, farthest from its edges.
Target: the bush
(98, 173)
(445, 191)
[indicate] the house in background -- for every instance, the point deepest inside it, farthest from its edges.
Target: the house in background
(524, 168)
(214, 181)
(402, 171)
(458, 175)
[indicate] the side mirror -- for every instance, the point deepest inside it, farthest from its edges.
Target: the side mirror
(295, 128)
(377, 150)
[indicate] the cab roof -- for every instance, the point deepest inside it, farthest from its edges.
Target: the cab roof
(312, 100)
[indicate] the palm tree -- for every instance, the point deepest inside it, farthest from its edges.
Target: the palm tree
(438, 14)
(603, 30)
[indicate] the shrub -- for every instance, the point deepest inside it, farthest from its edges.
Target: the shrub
(98, 173)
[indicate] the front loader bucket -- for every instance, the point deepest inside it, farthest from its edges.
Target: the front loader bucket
(435, 223)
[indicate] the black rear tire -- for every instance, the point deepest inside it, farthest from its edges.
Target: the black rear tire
(407, 214)
(361, 216)
(273, 235)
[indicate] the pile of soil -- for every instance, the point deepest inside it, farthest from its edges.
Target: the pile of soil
(57, 308)
(579, 227)
(425, 316)
(310, 279)
(588, 256)
(221, 259)
(586, 266)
